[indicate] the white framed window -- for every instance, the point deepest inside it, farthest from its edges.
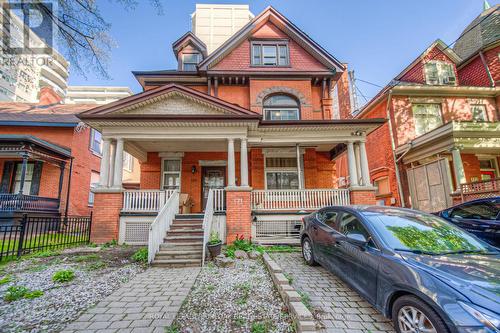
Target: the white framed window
(95, 141)
(479, 112)
(281, 107)
(28, 179)
(270, 53)
(128, 162)
(94, 182)
(427, 117)
(281, 173)
(189, 61)
(382, 185)
(171, 174)
(440, 73)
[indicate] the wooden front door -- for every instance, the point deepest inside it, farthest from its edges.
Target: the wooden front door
(212, 178)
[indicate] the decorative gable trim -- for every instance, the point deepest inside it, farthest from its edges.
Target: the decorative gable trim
(186, 39)
(271, 14)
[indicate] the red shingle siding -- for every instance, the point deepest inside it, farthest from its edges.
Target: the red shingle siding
(474, 74)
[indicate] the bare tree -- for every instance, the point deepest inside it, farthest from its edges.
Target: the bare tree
(83, 33)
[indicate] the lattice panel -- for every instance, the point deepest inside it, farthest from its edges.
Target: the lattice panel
(136, 233)
(278, 231)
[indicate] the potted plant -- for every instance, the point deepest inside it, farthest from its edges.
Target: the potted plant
(214, 244)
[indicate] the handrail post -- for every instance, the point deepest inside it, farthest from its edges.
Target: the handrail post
(24, 223)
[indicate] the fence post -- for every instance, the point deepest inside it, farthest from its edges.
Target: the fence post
(24, 223)
(90, 227)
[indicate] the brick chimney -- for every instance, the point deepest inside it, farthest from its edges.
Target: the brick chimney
(344, 95)
(48, 96)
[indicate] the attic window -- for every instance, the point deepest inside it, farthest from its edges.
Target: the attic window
(189, 61)
(440, 73)
(270, 53)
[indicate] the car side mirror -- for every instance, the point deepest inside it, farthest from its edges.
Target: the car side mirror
(357, 239)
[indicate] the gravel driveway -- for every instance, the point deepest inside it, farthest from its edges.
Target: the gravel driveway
(336, 306)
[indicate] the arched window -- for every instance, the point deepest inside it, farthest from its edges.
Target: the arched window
(281, 107)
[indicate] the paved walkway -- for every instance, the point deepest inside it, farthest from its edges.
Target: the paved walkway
(340, 309)
(147, 303)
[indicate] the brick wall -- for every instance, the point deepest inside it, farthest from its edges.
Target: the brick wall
(256, 172)
(416, 74)
(362, 197)
(106, 217)
(238, 215)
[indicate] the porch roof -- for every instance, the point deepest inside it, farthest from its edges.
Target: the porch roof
(13, 144)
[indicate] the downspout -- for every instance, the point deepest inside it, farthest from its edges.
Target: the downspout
(393, 146)
(69, 187)
(485, 64)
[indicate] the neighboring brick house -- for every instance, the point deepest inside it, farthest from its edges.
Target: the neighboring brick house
(247, 128)
(443, 127)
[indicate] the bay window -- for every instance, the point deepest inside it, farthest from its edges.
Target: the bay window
(427, 117)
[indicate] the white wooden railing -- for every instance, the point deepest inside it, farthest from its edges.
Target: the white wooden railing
(161, 224)
(299, 199)
(207, 223)
(219, 199)
(145, 200)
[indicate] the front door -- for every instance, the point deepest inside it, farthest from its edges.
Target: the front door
(213, 177)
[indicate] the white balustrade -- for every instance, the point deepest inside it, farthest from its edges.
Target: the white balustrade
(219, 200)
(299, 199)
(207, 223)
(161, 224)
(144, 201)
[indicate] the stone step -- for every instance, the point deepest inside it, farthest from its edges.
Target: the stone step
(176, 262)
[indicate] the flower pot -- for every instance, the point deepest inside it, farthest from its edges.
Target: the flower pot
(214, 249)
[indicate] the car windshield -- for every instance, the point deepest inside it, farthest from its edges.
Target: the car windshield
(423, 233)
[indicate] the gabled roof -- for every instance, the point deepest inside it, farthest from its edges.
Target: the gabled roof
(271, 14)
(441, 46)
(154, 95)
(186, 39)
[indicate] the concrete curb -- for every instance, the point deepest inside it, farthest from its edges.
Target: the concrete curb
(301, 315)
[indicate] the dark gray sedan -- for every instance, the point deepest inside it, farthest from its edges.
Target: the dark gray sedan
(416, 268)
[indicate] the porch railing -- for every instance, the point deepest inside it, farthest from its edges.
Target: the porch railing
(145, 201)
(161, 224)
(481, 189)
(219, 199)
(299, 199)
(27, 203)
(207, 222)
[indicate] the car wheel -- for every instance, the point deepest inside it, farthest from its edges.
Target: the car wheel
(307, 252)
(410, 314)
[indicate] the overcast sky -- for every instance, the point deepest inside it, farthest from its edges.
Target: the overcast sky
(377, 38)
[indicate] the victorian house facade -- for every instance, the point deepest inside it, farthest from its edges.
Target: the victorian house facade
(441, 143)
(242, 138)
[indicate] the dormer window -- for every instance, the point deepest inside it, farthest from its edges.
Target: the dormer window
(270, 53)
(440, 73)
(189, 61)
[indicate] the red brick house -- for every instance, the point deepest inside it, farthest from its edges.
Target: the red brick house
(244, 133)
(443, 130)
(46, 149)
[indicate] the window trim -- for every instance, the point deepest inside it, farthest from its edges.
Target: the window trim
(18, 166)
(265, 109)
(163, 172)
(440, 77)
(195, 64)
(283, 169)
(413, 107)
(90, 202)
(377, 193)
(91, 141)
(274, 42)
(128, 162)
(485, 111)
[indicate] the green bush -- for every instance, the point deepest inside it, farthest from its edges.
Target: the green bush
(5, 279)
(243, 244)
(44, 254)
(17, 292)
(110, 244)
(33, 294)
(63, 276)
(141, 255)
(214, 238)
(94, 266)
(262, 327)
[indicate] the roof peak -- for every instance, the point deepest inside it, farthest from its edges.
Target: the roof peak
(486, 5)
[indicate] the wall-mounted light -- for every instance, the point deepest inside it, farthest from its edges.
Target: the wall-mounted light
(193, 169)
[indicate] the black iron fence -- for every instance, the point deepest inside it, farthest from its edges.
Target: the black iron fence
(43, 233)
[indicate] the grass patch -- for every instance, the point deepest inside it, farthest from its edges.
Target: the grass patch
(261, 327)
(245, 289)
(64, 275)
(95, 266)
(306, 299)
(6, 279)
(110, 244)
(240, 322)
(244, 245)
(289, 277)
(86, 257)
(282, 248)
(15, 293)
(172, 329)
(141, 256)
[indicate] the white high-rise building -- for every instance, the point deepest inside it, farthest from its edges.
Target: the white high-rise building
(95, 94)
(23, 75)
(214, 24)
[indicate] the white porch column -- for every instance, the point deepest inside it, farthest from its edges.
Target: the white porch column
(299, 166)
(365, 170)
(118, 167)
(244, 162)
(358, 162)
(112, 153)
(104, 173)
(230, 163)
(351, 162)
(458, 167)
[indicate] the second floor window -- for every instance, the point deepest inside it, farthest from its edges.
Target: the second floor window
(189, 61)
(281, 107)
(427, 117)
(95, 141)
(270, 54)
(479, 112)
(440, 73)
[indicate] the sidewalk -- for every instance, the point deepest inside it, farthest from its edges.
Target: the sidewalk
(147, 303)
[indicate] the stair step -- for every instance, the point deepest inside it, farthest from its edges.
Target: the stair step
(184, 245)
(179, 251)
(185, 225)
(181, 239)
(189, 217)
(185, 232)
(162, 256)
(177, 262)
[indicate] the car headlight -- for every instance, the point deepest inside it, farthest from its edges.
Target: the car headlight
(487, 319)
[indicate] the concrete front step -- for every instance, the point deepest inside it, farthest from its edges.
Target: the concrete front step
(182, 239)
(163, 255)
(176, 262)
(186, 226)
(183, 246)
